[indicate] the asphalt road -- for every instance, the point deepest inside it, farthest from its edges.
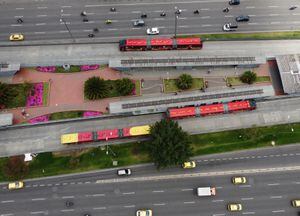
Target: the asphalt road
(42, 19)
(170, 191)
(44, 138)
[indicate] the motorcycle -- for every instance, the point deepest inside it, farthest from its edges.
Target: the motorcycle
(196, 12)
(163, 14)
(20, 20)
(226, 10)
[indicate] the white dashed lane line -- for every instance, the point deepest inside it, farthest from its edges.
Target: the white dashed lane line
(159, 204)
(187, 189)
(190, 202)
(99, 208)
(161, 191)
(128, 193)
(38, 199)
(38, 212)
(129, 206)
(67, 197)
(7, 201)
(217, 200)
(248, 213)
(245, 186)
(247, 198)
(9, 214)
(278, 211)
(67, 210)
(273, 184)
(275, 197)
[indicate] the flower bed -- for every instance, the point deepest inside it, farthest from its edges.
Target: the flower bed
(35, 97)
(50, 69)
(43, 118)
(91, 113)
(89, 67)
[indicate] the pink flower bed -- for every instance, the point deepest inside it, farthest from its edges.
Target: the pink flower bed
(43, 118)
(91, 113)
(50, 69)
(88, 67)
(35, 97)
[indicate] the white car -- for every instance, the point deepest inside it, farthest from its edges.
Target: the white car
(230, 27)
(124, 172)
(152, 31)
(147, 212)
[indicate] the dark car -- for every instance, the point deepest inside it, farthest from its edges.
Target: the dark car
(139, 22)
(242, 18)
(234, 2)
(144, 15)
(69, 203)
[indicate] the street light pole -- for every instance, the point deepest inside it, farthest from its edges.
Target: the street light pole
(176, 17)
(64, 22)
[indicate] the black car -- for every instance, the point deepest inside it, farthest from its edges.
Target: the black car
(234, 2)
(85, 20)
(242, 18)
(69, 203)
(144, 15)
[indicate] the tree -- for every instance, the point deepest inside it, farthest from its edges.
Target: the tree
(248, 77)
(184, 81)
(125, 86)
(95, 88)
(15, 168)
(7, 94)
(170, 145)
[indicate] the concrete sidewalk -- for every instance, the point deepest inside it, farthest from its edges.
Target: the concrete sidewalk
(102, 53)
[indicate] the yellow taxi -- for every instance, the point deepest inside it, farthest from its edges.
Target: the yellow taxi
(15, 185)
(16, 37)
(296, 203)
(147, 212)
(239, 180)
(234, 207)
(189, 165)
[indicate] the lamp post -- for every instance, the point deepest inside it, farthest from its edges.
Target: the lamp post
(64, 22)
(176, 18)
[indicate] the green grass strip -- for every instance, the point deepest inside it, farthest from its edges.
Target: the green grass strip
(170, 85)
(66, 115)
(247, 36)
(45, 93)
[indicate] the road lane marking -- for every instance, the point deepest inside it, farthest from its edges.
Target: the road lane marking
(136, 12)
(19, 8)
(38, 33)
(205, 17)
(161, 191)
(228, 16)
(128, 193)
(187, 189)
(39, 212)
(250, 7)
(218, 214)
(297, 182)
(18, 16)
(159, 18)
(129, 206)
(247, 198)
(42, 7)
(99, 208)
(67, 210)
(39, 24)
(66, 14)
(41, 15)
(220, 187)
(66, 6)
(273, 6)
(16, 25)
(189, 202)
(87, 182)
(205, 9)
(207, 25)
(248, 213)
(273, 14)
(278, 211)
(63, 31)
(217, 200)
(245, 186)
(7, 201)
(159, 204)
(184, 26)
(97, 195)
(8, 214)
(86, 30)
(38, 199)
(67, 197)
(112, 29)
(273, 184)
(49, 185)
(275, 197)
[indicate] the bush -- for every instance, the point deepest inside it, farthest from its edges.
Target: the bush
(7, 94)
(15, 168)
(96, 88)
(248, 77)
(124, 86)
(184, 82)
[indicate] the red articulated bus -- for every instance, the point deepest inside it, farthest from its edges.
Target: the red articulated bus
(143, 44)
(211, 109)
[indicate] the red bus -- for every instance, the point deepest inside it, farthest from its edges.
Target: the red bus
(144, 44)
